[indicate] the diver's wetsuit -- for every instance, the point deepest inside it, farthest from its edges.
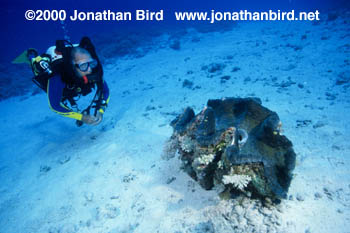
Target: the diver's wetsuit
(55, 89)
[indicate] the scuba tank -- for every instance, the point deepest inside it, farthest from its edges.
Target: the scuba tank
(55, 54)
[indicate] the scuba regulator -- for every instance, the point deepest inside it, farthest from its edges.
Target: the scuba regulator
(39, 64)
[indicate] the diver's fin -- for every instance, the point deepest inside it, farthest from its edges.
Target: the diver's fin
(24, 57)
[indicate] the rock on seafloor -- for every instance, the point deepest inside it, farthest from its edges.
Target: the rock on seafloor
(236, 146)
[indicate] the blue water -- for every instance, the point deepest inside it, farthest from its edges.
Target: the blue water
(19, 34)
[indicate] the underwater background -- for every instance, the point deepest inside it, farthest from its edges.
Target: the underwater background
(115, 177)
(22, 34)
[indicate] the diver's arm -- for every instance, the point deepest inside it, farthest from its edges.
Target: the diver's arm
(55, 88)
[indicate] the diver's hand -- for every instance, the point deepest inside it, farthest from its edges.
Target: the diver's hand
(88, 119)
(92, 120)
(98, 118)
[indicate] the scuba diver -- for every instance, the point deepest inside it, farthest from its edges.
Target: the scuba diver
(66, 72)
